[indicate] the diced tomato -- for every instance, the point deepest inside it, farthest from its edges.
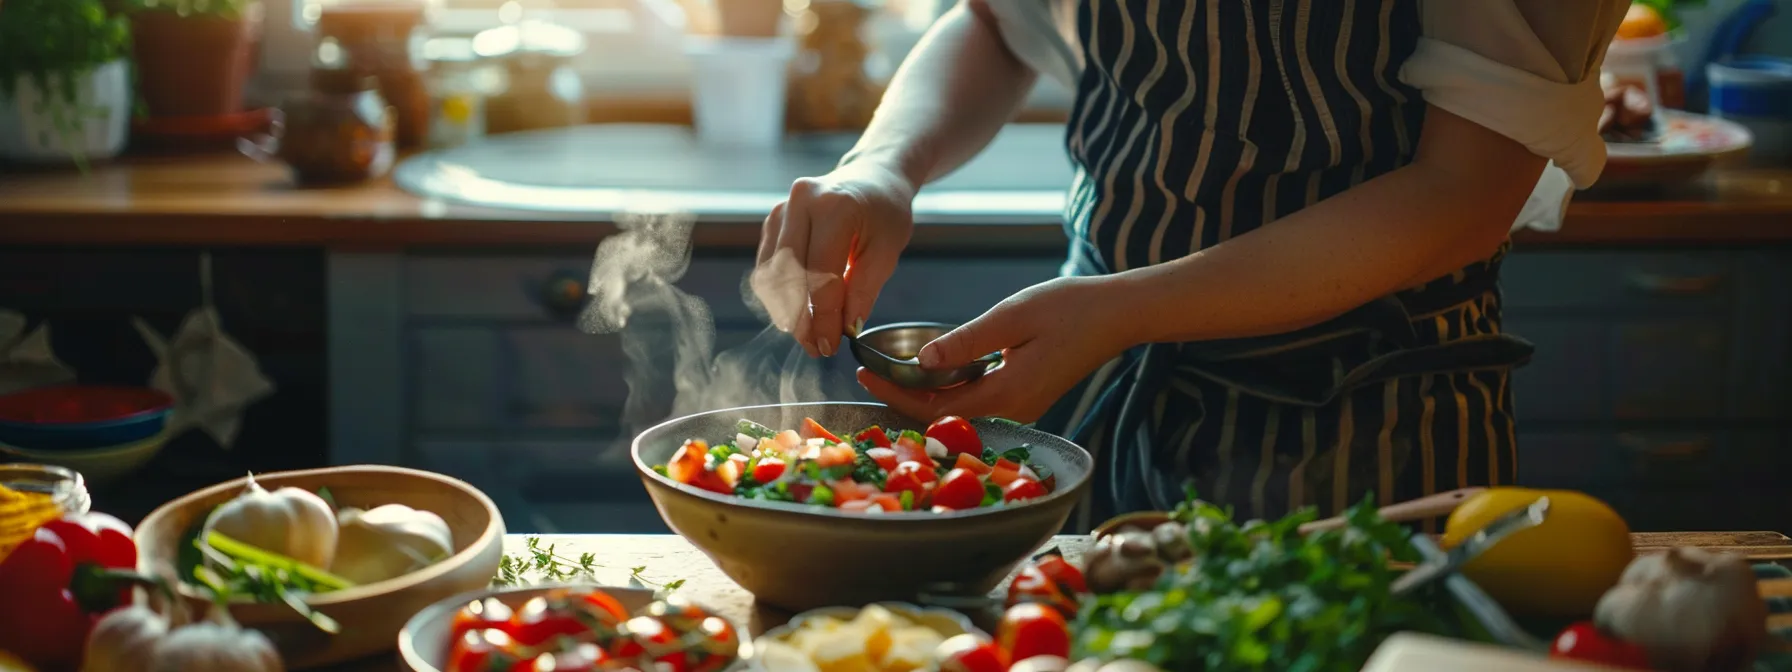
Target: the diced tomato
(1050, 580)
(875, 435)
(486, 614)
(957, 434)
(788, 440)
(970, 653)
(834, 456)
(884, 457)
(971, 464)
(881, 501)
(909, 450)
(960, 489)
(768, 469)
(851, 491)
(1029, 630)
(910, 477)
(1004, 473)
(1023, 489)
(609, 610)
(690, 460)
(481, 651)
(542, 619)
(856, 506)
(732, 469)
(814, 430)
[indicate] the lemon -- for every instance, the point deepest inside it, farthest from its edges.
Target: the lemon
(1641, 21)
(1559, 568)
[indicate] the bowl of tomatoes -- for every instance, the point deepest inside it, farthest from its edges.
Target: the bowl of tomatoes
(824, 504)
(571, 628)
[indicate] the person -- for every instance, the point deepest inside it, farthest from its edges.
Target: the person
(1286, 227)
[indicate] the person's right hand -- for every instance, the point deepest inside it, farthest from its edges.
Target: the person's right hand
(828, 249)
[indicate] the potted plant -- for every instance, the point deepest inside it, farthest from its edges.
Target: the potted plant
(65, 83)
(194, 57)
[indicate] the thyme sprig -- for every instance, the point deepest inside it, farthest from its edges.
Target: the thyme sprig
(543, 563)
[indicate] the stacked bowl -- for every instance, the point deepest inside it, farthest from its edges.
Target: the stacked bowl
(103, 432)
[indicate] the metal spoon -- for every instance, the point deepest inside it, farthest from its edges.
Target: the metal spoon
(873, 347)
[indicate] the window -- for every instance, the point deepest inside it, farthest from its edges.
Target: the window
(631, 46)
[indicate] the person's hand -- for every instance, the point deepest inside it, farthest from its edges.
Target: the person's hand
(828, 249)
(1051, 336)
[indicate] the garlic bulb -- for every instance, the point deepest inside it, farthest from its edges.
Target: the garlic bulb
(1690, 609)
(215, 645)
(122, 640)
(292, 522)
(388, 542)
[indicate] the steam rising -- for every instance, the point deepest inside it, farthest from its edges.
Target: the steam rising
(669, 337)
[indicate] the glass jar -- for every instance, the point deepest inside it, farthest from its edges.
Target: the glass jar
(383, 39)
(340, 132)
(540, 89)
(458, 83)
(65, 486)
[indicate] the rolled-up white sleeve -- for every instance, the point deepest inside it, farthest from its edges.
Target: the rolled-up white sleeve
(1528, 70)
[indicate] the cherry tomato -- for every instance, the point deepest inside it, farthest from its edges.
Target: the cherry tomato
(957, 434)
(814, 430)
(960, 489)
(970, 653)
(1004, 472)
(41, 621)
(486, 614)
(910, 477)
(542, 619)
(875, 435)
(1029, 630)
(482, 651)
(1022, 489)
(884, 457)
(971, 464)
(1584, 641)
(583, 657)
(768, 469)
(610, 610)
(1050, 580)
(910, 450)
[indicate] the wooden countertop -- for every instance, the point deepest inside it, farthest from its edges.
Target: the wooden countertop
(230, 200)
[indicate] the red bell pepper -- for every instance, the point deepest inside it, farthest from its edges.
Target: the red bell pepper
(59, 582)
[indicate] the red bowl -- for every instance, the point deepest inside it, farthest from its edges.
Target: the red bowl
(82, 404)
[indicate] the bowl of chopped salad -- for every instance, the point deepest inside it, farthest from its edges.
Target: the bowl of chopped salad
(825, 504)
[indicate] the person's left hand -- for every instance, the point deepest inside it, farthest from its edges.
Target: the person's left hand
(1051, 335)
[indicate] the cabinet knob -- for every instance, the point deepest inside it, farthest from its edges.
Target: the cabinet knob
(562, 294)
(1675, 285)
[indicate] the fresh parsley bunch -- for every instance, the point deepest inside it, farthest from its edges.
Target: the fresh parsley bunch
(1263, 596)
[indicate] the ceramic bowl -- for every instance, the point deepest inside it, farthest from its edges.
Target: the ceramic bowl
(423, 643)
(370, 614)
(100, 466)
(81, 417)
(798, 557)
(944, 621)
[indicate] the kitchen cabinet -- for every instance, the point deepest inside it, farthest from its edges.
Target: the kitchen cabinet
(1660, 381)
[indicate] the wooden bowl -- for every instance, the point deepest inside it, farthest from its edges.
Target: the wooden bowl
(799, 557)
(423, 643)
(370, 614)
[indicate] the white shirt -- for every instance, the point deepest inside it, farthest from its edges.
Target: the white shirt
(1526, 69)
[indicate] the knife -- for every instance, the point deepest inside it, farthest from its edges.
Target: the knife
(1520, 519)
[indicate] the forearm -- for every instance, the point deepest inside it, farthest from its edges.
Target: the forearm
(956, 89)
(1399, 230)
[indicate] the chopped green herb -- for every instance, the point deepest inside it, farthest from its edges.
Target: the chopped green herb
(659, 469)
(866, 470)
(990, 456)
(1019, 454)
(912, 435)
(821, 496)
(907, 498)
(992, 494)
(753, 429)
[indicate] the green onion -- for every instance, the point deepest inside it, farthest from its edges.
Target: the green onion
(256, 556)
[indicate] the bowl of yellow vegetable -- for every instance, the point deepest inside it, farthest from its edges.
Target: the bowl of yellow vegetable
(880, 637)
(328, 563)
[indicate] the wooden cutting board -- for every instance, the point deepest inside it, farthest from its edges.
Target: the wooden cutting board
(1413, 652)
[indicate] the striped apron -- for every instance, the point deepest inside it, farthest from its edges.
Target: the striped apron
(1199, 121)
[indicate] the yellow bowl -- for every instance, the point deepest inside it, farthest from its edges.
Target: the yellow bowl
(99, 466)
(370, 614)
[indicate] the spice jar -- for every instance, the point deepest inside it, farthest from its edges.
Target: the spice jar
(64, 486)
(830, 89)
(340, 132)
(540, 89)
(458, 82)
(383, 39)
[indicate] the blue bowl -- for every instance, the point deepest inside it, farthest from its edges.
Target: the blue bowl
(78, 417)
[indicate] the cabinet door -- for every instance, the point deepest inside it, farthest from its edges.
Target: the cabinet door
(1715, 478)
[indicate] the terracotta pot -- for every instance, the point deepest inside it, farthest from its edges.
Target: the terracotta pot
(194, 66)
